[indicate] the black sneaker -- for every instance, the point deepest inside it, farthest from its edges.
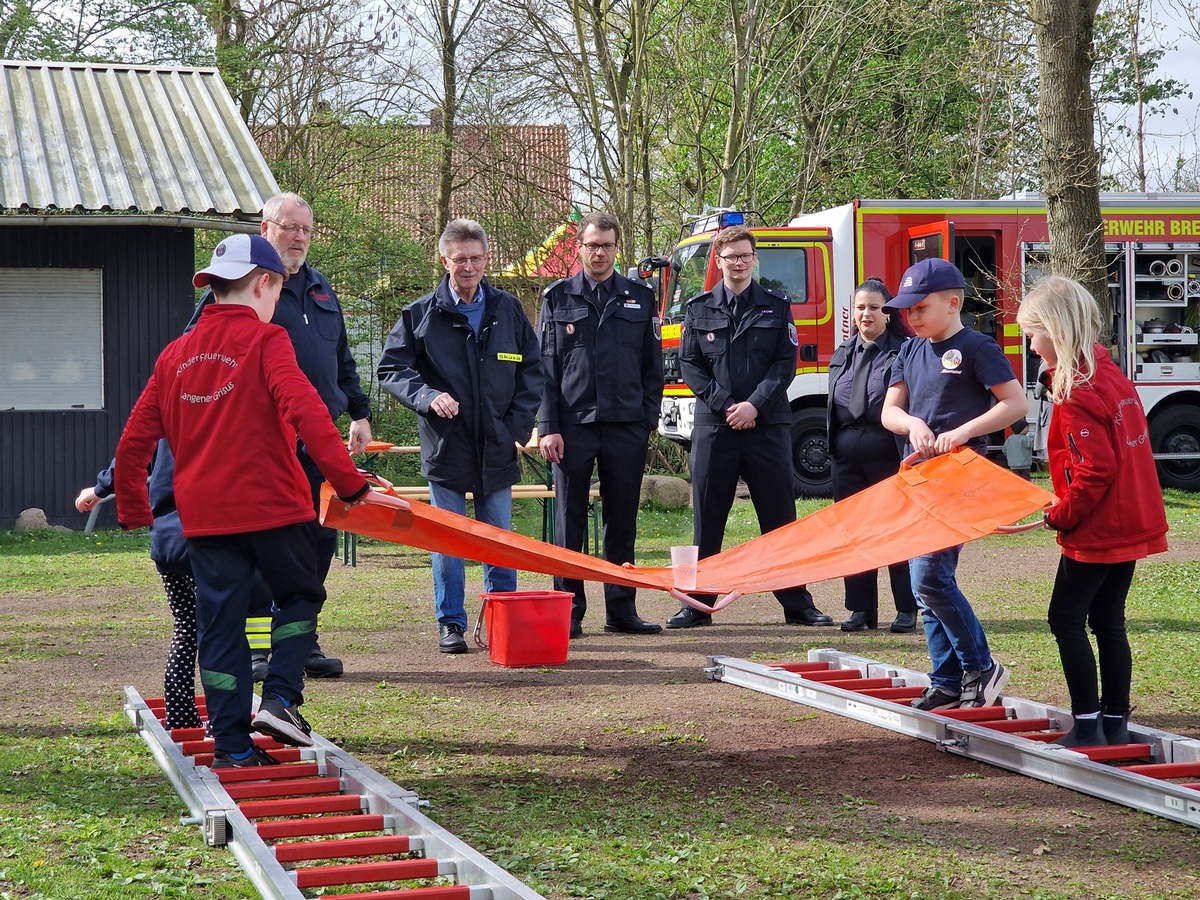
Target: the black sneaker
(257, 757)
(982, 688)
(284, 723)
(936, 698)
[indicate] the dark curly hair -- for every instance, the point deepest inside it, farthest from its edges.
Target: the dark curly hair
(875, 285)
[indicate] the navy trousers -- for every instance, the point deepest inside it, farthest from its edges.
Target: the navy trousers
(224, 567)
(617, 452)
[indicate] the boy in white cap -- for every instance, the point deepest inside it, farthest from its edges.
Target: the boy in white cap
(941, 397)
(230, 399)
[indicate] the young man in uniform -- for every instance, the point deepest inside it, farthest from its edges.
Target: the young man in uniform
(738, 355)
(602, 359)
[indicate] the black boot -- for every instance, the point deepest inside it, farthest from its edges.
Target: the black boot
(906, 623)
(860, 620)
(1084, 733)
(1116, 728)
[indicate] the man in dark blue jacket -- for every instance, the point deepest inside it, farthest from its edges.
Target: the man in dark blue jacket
(602, 356)
(465, 358)
(309, 311)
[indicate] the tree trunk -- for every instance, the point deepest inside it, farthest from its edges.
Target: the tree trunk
(1070, 162)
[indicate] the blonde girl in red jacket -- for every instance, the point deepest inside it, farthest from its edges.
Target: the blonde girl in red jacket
(1109, 512)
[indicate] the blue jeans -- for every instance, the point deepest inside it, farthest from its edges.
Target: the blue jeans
(952, 630)
(449, 572)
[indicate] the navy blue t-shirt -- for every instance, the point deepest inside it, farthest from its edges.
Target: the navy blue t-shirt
(951, 382)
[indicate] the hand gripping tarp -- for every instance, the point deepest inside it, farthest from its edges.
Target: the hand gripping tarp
(939, 503)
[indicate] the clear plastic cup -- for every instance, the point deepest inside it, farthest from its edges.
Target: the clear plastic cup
(683, 565)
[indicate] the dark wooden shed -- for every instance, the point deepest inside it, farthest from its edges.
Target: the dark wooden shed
(106, 172)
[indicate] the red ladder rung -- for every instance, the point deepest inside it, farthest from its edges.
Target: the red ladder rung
(862, 685)
(1015, 725)
(301, 806)
(1120, 751)
(283, 755)
(974, 713)
(439, 892)
(1166, 770)
(343, 848)
(205, 746)
(833, 675)
(270, 831)
(267, 773)
(291, 787)
(366, 873)
(802, 666)
(178, 735)
(895, 693)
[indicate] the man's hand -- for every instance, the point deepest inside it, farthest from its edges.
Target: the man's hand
(86, 500)
(444, 405)
(741, 416)
(359, 436)
(551, 447)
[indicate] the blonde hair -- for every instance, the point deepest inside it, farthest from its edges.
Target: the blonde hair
(1070, 317)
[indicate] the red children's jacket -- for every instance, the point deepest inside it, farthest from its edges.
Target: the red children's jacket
(230, 399)
(1102, 466)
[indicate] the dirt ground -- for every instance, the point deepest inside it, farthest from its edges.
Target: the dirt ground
(614, 685)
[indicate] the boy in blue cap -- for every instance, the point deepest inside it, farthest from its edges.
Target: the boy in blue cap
(941, 397)
(230, 399)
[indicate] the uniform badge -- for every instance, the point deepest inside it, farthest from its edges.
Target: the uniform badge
(792, 335)
(710, 337)
(570, 328)
(657, 325)
(951, 359)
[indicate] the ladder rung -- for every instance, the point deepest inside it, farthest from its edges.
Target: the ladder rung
(257, 773)
(1166, 770)
(833, 675)
(365, 873)
(1014, 725)
(974, 713)
(301, 806)
(206, 745)
(344, 848)
(440, 892)
(269, 831)
(894, 693)
(292, 787)
(1119, 751)
(860, 685)
(268, 773)
(802, 666)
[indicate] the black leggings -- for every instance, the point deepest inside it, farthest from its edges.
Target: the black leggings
(179, 680)
(1093, 594)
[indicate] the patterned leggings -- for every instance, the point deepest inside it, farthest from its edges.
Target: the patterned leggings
(179, 680)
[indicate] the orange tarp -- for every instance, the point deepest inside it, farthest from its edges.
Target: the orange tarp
(936, 504)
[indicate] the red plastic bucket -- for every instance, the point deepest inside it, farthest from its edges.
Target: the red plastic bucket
(527, 628)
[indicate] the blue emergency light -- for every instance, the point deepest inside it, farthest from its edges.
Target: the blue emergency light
(726, 219)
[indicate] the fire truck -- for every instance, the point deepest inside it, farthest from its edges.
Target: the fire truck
(1152, 248)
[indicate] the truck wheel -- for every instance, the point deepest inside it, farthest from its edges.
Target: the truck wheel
(810, 454)
(1177, 430)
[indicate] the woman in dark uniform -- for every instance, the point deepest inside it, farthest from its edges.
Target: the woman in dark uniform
(863, 451)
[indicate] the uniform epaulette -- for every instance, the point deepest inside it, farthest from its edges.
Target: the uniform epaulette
(552, 286)
(703, 296)
(776, 294)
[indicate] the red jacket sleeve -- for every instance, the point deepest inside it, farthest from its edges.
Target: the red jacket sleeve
(302, 407)
(135, 450)
(1087, 429)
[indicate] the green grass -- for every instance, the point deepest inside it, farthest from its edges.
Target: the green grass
(86, 813)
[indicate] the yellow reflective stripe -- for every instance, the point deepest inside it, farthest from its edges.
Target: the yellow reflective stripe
(258, 632)
(1013, 351)
(1012, 330)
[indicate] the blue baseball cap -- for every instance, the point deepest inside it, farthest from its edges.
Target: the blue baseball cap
(240, 255)
(927, 277)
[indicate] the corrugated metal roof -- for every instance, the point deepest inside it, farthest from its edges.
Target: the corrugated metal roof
(102, 137)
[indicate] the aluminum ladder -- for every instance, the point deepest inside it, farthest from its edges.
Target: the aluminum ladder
(320, 803)
(1158, 772)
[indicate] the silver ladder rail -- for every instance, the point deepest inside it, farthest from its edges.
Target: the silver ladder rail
(225, 824)
(830, 686)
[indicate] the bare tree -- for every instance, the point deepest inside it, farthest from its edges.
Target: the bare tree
(1070, 161)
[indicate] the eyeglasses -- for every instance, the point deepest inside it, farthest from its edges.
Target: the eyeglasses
(305, 230)
(599, 248)
(460, 261)
(739, 257)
